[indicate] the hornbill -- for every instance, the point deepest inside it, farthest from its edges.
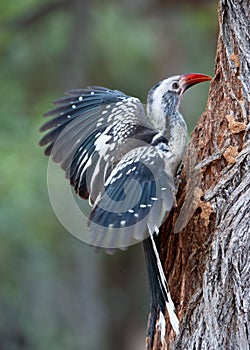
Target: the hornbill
(124, 160)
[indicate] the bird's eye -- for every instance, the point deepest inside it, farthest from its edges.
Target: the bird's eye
(175, 85)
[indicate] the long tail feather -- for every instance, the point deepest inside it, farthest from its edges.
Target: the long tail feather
(160, 294)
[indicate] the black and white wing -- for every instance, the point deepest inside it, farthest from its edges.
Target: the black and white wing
(114, 157)
(91, 130)
(135, 199)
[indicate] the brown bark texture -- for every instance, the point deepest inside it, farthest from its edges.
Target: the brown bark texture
(205, 242)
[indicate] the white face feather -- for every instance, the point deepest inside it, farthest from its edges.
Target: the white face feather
(167, 84)
(163, 99)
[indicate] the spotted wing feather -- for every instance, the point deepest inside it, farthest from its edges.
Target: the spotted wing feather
(135, 198)
(90, 132)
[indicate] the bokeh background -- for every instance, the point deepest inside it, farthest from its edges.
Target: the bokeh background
(55, 291)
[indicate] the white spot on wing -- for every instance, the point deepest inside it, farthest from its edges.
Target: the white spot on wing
(101, 142)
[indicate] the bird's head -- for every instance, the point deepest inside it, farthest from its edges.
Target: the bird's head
(164, 97)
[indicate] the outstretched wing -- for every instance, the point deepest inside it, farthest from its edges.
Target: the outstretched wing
(91, 130)
(136, 197)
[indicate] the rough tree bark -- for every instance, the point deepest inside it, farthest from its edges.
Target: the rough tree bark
(205, 243)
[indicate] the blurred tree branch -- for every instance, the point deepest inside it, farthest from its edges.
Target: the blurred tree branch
(206, 258)
(26, 20)
(77, 44)
(73, 56)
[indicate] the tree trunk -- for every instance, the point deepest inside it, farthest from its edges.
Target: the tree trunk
(205, 243)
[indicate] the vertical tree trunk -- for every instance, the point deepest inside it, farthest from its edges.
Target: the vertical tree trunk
(205, 243)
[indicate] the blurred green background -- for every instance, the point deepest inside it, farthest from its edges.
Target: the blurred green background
(55, 291)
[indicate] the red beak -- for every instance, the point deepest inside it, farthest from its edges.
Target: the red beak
(190, 79)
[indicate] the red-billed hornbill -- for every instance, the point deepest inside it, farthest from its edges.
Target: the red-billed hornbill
(124, 161)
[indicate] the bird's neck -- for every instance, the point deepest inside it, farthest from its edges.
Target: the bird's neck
(174, 129)
(173, 124)
(176, 133)
(169, 123)
(163, 112)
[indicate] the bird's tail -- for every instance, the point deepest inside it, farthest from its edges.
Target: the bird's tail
(160, 294)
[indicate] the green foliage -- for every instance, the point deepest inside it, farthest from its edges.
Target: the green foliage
(10, 9)
(127, 41)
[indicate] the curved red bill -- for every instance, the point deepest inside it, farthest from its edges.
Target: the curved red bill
(190, 79)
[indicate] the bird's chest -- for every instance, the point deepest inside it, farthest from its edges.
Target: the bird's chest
(176, 147)
(178, 142)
